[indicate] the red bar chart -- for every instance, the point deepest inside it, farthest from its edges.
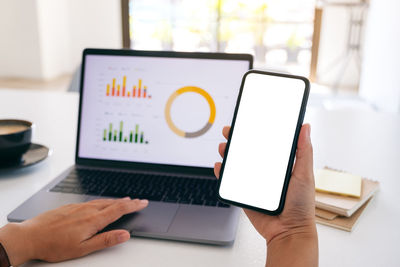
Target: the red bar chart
(139, 90)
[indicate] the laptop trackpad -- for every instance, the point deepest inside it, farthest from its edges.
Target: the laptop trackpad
(156, 218)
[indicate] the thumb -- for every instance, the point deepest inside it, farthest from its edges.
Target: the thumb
(303, 167)
(105, 240)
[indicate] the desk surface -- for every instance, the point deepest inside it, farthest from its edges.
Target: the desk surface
(365, 143)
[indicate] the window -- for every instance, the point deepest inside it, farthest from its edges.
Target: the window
(277, 32)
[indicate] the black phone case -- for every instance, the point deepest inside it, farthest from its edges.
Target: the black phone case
(293, 149)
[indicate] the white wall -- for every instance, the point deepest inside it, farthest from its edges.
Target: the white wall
(54, 37)
(45, 38)
(95, 24)
(380, 80)
(333, 46)
(19, 45)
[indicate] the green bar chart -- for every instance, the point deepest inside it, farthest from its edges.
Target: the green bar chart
(135, 136)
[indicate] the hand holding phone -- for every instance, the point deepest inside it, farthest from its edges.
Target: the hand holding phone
(291, 235)
(259, 156)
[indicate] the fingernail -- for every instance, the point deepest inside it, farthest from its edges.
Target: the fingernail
(123, 237)
(144, 202)
(126, 198)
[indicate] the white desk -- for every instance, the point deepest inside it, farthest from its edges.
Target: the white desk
(365, 143)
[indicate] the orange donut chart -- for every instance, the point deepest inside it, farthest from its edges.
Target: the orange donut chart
(211, 119)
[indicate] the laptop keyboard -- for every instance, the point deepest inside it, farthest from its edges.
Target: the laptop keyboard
(154, 187)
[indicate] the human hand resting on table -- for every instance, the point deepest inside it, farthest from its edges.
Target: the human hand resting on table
(68, 232)
(291, 236)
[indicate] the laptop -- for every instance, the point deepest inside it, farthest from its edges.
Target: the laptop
(149, 127)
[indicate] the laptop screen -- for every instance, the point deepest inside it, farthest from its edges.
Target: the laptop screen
(160, 110)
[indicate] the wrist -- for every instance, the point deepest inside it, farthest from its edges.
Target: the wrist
(307, 231)
(295, 247)
(16, 243)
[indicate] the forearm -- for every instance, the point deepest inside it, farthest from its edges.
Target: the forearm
(294, 249)
(15, 243)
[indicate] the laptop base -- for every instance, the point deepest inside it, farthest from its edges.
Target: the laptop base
(182, 222)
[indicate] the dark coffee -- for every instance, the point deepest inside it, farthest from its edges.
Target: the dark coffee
(15, 139)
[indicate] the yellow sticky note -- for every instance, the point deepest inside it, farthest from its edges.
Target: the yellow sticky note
(338, 182)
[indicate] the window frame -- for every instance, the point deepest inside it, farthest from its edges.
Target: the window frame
(126, 39)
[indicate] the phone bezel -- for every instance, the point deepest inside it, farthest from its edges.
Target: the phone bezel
(293, 149)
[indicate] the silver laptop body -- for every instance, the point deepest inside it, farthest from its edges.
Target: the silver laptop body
(153, 114)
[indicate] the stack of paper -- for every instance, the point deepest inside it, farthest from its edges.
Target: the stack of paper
(341, 197)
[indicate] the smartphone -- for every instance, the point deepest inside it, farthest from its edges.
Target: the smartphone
(262, 143)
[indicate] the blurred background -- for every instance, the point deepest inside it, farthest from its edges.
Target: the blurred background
(349, 49)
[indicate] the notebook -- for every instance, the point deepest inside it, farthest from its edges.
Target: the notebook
(337, 221)
(345, 205)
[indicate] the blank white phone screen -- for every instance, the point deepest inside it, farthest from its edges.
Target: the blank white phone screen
(261, 141)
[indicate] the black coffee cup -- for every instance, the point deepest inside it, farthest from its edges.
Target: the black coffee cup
(15, 139)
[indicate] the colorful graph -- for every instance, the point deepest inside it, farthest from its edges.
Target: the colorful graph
(116, 90)
(117, 135)
(210, 102)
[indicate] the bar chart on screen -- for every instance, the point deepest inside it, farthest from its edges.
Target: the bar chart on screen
(137, 90)
(117, 134)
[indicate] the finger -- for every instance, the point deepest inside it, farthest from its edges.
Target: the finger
(104, 240)
(217, 169)
(303, 167)
(117, 210)
(102, 203)
(262, 222)
(251, 214)
(221, 149)
(225, 131)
